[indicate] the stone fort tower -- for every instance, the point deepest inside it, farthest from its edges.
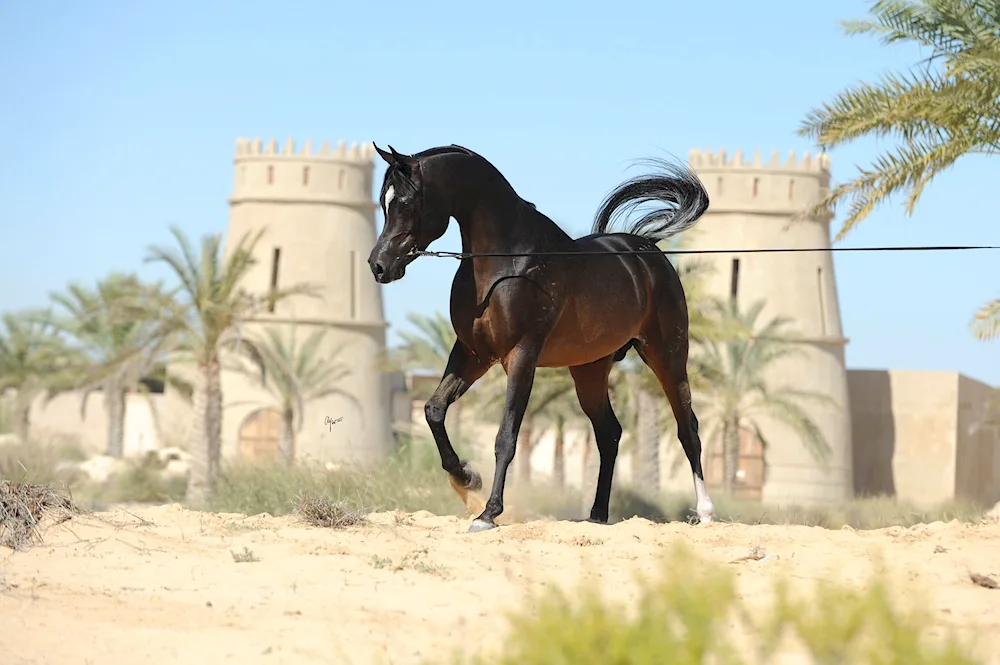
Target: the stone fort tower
(752, 206)
(319, 216)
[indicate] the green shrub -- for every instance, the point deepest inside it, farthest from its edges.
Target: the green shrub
(692, 613)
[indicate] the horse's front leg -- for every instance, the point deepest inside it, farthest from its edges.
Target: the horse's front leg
(463, 369)
(521, 365)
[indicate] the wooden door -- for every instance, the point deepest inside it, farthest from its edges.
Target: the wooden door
(259, 435)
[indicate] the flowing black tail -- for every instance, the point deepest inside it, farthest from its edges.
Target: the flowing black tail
(675, 184)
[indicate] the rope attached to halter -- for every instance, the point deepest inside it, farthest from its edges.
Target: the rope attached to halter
(932, 248)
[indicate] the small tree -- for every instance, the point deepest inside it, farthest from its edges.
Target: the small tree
(34, 360)
(296, 374)
(117, 349)
(204, 319)
(739, 393)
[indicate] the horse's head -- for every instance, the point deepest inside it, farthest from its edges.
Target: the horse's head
(415, 216)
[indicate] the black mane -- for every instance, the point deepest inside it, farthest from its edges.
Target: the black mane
(453, 149)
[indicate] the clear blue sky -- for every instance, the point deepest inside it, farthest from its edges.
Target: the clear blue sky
(120, 119)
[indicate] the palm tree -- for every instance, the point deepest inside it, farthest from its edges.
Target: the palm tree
(117, 349)
(205, 319)
(948, 107)
(428, 347)
(295, 374)
(34, 360)
(739, 392)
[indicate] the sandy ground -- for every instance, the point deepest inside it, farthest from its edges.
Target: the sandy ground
(160, 584)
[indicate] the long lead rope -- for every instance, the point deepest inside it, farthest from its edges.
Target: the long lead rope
(926, 248)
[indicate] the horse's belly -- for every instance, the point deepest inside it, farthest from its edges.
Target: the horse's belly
(590, 331)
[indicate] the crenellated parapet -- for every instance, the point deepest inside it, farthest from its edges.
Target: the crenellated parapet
(330, 174)
(708, 159)
(774, 186)
(362, 153)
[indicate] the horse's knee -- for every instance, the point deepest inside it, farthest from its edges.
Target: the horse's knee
(434, 412)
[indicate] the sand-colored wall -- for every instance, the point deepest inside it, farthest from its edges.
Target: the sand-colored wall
(148, 425)
(924, 436)
(977, 467)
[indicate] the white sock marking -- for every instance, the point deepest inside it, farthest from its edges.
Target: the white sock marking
(706, 510)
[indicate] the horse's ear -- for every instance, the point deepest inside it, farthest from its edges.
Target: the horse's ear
(406, 161)
(388, 157)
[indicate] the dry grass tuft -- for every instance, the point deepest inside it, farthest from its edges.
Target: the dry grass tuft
(22, 508)
(326, 512)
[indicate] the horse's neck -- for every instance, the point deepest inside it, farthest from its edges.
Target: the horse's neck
(512, 227)
(503, 222)
(495, 218)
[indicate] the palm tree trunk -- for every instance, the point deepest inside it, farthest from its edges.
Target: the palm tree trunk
(559, 454)
(22, 421)
(286, 447)
(199, 446)
(648, 444)
(730, 454)
(114, 405)
(213, 420)
(524, 452)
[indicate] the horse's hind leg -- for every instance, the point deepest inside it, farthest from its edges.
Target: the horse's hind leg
(462, 371)
(669, 363)
(592, 390)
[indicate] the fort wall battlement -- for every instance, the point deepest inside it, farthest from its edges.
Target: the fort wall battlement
(773, 187)
(338, 175)
(249, 148)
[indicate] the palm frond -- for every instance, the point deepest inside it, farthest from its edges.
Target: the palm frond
(948, 106)
(986, 323)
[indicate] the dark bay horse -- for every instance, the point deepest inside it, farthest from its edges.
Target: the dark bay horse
(583, 309)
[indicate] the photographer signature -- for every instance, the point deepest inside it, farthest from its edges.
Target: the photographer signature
(332, 421)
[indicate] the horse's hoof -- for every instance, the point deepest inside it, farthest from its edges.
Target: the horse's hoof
(475, 482)
(481, 525)
(594, 520)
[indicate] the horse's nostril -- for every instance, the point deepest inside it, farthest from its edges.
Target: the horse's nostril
(378, 269)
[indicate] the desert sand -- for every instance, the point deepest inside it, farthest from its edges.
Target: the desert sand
(161, 584)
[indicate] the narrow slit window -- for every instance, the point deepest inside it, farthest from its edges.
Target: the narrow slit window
(270, 175)
(822, 300)
(791, 190)
(734, 285)
(276, 259)
(354, 285)
(305, 175)
(756, 186)
(719, 185)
